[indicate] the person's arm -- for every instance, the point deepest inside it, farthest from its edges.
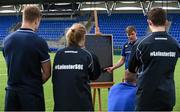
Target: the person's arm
(115, 66)
(95, 68)
(3, 52)
(119, 63)
(46, 71)
(42, 49)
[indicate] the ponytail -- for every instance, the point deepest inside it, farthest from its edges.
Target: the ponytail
(76, 35)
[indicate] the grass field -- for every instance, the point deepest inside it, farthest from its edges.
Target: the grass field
(104, 92)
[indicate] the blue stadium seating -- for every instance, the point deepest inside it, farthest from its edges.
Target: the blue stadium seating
(117, 23)
(54, 29)
(5, 23)
(114, 24)
(175, 26)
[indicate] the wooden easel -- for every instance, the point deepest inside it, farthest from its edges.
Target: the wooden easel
(97, 86)
(97, 31)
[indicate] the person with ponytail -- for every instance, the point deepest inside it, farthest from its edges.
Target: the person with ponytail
(73, 69)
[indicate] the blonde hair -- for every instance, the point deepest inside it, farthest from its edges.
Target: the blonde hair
(76, 35)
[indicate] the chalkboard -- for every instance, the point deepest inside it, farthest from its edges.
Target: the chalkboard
(101, 45)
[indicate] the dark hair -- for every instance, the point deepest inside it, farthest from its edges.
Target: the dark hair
(129, 77)
(31, 13)
(130, 29)
(158, 16)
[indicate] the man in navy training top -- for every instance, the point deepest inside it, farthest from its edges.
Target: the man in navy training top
(156, 55)
(28, 64)
(122, 96)
(126, 50)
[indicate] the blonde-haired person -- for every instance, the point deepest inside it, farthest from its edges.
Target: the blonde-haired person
(73, 69)
(28, 64)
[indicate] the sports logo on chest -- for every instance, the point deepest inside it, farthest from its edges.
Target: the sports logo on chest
(127, 49)
(126, 46)
(128, 52)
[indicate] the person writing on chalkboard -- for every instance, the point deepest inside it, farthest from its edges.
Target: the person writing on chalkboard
(126, 50)
(122, 96)
(73, 69)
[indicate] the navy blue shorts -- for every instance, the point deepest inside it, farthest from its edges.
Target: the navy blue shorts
(15, 101)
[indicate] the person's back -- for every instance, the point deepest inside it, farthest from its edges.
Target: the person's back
(73, 69)
(28, 64)
(70, 79)
(157, 55)
(122, 97)
(23, 60)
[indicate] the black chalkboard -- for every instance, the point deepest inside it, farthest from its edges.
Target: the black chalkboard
(101, 45)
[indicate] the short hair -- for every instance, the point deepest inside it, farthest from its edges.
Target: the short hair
(31, 13)
(129, 77)
(130, 29)
(76, 34)
(158, 16)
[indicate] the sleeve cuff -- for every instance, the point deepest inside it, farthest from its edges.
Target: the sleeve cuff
(45, 60)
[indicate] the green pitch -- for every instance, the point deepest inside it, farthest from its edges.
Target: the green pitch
(104, 92)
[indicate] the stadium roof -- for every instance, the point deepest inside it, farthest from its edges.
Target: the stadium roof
(14, 6)
(15, 2)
